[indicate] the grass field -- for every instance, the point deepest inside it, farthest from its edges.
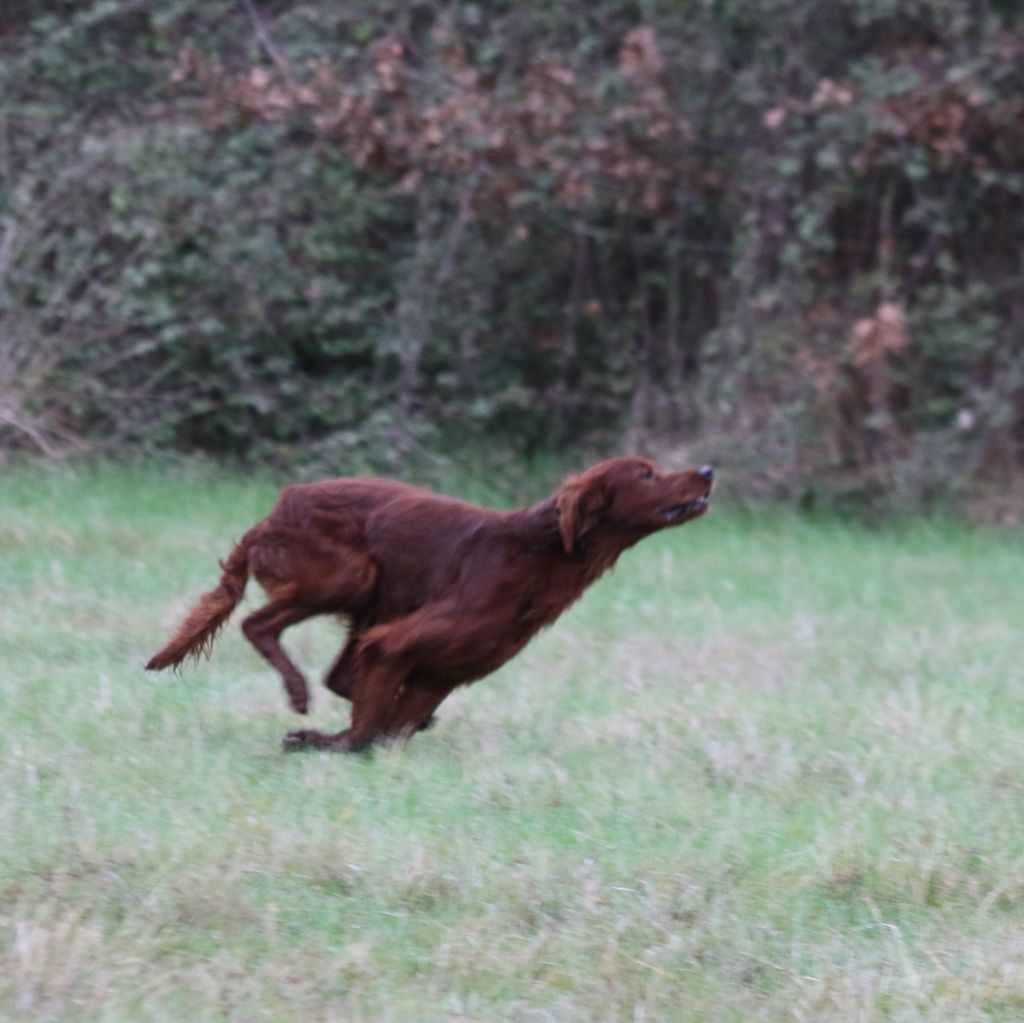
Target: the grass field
(768, 769)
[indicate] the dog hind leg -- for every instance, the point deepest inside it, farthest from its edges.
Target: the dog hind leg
(303, 580)
(263, 629)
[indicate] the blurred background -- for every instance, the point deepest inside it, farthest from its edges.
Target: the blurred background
(781, 235)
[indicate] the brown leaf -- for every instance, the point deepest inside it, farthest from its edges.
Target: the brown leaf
(875, 337)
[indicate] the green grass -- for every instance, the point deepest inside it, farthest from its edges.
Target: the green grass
(768, 769)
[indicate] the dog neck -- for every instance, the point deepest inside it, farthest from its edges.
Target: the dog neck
(594, 553)
(537, 525)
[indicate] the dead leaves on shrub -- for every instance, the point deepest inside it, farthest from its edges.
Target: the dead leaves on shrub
(556, 134)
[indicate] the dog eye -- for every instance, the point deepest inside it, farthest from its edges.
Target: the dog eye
(647, 474)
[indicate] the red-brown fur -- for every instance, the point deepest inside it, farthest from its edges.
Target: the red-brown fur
(438, 593)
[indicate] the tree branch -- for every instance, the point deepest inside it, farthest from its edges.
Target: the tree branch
(268, 44)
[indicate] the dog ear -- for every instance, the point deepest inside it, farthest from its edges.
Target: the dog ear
(579, 503)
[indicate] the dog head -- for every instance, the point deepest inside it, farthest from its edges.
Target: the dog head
(628, 498)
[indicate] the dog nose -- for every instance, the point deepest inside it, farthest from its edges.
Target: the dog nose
(707, 472)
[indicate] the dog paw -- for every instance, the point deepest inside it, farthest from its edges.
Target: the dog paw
(303, 738)
(310, 738)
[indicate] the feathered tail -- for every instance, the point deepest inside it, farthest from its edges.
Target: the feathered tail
(198, 630)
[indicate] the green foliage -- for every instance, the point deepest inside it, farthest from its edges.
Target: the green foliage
(704, 245)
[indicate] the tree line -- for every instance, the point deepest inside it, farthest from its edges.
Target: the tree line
(786, 233)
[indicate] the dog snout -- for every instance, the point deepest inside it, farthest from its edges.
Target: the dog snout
(707, 473)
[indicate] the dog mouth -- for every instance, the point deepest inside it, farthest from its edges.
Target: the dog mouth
(687, 510)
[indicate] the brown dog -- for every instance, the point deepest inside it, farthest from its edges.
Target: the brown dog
(439, 593)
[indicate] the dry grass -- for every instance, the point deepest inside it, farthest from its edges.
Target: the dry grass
(768, 770)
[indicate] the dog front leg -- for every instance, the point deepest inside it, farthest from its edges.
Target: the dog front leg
(378, 683)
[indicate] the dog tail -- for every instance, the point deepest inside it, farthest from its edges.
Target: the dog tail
(200, 627)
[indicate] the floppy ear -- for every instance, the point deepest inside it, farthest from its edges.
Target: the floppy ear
(579, 503)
